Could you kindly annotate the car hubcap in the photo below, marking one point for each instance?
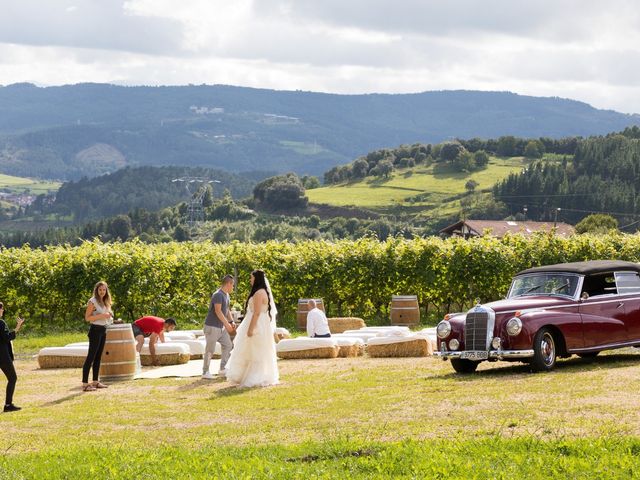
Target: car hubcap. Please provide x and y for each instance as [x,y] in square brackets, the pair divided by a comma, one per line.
[548,349]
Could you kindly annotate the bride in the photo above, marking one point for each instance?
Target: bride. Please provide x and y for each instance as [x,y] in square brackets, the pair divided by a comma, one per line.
[253,359]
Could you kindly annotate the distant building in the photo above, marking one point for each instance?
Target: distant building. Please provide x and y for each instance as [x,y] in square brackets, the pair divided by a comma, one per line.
[498,228]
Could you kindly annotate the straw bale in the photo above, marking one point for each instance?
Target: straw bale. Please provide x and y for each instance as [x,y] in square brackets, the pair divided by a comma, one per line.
[60,361]
[348,350]
[322,352]
[166,359]
[418,347]
[342,324]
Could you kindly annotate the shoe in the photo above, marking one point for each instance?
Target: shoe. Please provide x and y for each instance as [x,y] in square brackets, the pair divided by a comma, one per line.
[88,388]
[207,376]
[100,385]
[11,408]
[222,372]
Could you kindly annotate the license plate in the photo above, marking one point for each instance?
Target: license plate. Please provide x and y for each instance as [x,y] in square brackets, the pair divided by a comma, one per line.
[475,355]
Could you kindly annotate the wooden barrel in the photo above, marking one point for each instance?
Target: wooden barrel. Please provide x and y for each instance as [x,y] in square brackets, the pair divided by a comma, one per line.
[119,355]
[303,309]
[405,310]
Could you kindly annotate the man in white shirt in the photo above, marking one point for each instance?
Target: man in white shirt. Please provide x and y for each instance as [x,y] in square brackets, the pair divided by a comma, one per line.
[317,323]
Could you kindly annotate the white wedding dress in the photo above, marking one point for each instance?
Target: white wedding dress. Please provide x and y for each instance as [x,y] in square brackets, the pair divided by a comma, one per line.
[253,361]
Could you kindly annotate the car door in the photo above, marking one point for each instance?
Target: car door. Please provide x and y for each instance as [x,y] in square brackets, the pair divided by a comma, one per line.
[603,313]
[628,286]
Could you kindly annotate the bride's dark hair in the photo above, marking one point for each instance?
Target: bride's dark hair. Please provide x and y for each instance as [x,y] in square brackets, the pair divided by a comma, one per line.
[258,283]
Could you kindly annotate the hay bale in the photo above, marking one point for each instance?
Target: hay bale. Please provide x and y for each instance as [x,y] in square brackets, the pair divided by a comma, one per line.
[170,353]
[63,357]
[349,346]
[304,347]
[342,324]
[322,352]
[166,359]
[413,346]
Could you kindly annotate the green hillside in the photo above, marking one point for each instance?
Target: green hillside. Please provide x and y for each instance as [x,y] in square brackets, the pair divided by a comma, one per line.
[21,185]
[434,187]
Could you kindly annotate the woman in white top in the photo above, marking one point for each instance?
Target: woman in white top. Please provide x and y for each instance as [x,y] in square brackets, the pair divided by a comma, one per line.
[98,314]
[253,361]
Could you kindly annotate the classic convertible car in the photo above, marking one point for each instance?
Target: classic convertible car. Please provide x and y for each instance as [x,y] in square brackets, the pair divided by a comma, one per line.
[554,311]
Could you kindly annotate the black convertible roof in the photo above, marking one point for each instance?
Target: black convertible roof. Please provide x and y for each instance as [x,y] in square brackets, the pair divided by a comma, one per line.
[590,267]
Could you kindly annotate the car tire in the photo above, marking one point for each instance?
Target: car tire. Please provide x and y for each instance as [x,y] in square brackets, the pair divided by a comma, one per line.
[461,365]
[545,351]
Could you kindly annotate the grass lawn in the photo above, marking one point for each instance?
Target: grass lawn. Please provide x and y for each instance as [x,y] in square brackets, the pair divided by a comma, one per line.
[340,418]
[420,186]
[20,184]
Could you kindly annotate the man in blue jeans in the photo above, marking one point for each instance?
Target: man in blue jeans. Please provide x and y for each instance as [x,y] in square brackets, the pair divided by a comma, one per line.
[217,327]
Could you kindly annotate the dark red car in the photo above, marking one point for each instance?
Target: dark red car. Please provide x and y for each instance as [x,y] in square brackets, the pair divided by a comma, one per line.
[554,311]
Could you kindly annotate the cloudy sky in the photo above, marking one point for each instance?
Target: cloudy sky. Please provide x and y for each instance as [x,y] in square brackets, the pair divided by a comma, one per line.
[581,49]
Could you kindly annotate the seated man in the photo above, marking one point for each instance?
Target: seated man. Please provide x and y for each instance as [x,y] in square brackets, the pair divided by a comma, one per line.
[317,323]
[154,328]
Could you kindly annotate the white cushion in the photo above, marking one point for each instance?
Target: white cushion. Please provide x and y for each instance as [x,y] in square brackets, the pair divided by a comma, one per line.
[180,334]
[304,343]
[196,332]
[386,329]
[77,344]
[348,341]
[74,351]
[282,331]
[363,335]
[195,346]
[393,333]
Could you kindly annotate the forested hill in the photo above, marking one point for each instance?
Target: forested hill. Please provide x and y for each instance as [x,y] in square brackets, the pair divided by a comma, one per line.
[602,177]
[150,188]
[89,129]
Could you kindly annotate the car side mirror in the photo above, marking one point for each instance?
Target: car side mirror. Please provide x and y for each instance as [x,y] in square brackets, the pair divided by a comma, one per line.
[584,296]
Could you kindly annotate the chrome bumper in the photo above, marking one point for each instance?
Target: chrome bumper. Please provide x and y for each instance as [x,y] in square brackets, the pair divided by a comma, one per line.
[493,354]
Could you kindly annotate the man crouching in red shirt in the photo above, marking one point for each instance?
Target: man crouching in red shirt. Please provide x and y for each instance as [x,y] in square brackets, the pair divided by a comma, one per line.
[154,328]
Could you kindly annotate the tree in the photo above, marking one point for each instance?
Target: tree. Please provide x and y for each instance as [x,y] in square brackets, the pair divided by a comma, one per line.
[507,146]
[470,186]
[360,168]
[310,182]
[464,162]
[482,158]
[384,168]
[181,234]
[281,192]
[597,223]
[450,150]
[120,227]
[534,149]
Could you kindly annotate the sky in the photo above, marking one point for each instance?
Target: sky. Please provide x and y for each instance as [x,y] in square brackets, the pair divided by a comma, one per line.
[586,50]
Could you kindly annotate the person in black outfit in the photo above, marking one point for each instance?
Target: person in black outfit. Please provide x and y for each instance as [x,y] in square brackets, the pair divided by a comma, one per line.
[6,359]
[99,315]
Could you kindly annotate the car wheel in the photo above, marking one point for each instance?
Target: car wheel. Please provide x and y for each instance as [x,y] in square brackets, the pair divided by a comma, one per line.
[544,351]
[463,365]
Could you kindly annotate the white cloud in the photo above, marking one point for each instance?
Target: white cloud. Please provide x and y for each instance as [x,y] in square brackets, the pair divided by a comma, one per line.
[570,48]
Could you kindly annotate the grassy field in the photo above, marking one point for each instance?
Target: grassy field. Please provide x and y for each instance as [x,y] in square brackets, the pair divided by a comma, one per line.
[21,184]
[428,187]
[340,418]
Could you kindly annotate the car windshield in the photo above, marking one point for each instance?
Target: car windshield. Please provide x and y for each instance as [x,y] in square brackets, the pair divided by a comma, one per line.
[564,284]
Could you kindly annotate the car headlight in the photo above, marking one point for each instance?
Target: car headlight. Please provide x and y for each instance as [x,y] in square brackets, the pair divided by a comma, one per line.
[444,329]
[496,342]
[454,344]
[514,326]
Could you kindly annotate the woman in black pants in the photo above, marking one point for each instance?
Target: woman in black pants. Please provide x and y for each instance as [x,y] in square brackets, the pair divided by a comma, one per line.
[99,315]
[6,359]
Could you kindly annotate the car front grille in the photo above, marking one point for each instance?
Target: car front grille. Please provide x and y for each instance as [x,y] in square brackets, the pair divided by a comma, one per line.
[475,330]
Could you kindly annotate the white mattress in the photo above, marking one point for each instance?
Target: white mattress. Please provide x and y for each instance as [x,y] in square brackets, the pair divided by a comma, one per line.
[348,341]
[304,343]
[180,334]
[365,336]
[68,351]
[282,331]
[195,346]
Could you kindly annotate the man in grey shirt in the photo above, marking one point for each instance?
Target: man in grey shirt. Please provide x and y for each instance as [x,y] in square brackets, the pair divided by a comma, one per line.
[217,327]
